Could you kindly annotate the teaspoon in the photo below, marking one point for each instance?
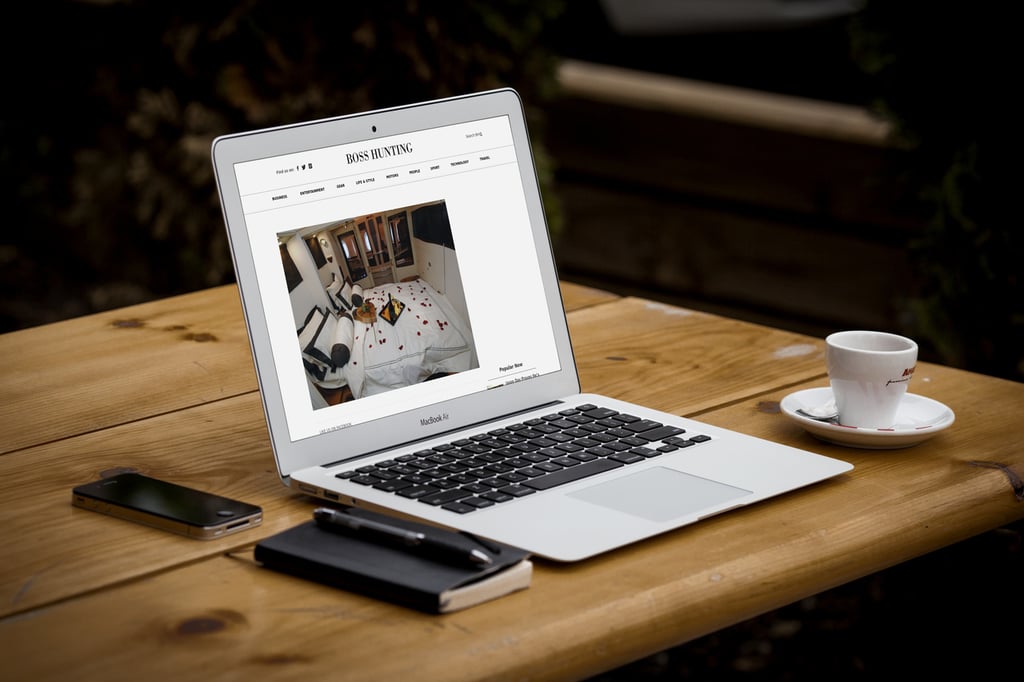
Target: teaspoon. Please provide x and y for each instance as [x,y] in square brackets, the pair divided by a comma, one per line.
[825,413]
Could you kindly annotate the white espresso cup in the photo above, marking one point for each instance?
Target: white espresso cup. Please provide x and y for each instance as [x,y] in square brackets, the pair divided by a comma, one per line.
[869,372]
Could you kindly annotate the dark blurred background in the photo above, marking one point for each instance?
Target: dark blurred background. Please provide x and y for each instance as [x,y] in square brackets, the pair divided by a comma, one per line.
[112,106]
[105,157]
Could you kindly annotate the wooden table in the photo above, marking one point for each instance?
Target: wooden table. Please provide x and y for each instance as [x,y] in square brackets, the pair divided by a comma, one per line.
[168,388]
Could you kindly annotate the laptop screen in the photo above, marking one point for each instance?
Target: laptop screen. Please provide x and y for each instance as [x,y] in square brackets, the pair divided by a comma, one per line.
[394,274]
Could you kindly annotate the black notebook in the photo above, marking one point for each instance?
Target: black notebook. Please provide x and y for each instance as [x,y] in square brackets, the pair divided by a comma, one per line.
[396,574]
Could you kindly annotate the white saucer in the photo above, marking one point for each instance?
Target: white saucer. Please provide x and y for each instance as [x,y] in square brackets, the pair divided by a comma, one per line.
[917,419]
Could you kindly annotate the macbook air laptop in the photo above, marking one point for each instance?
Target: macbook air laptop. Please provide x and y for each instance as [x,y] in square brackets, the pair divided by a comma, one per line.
[412,351]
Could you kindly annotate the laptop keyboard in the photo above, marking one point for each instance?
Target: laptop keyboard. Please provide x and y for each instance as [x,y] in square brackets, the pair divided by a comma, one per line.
[506,464]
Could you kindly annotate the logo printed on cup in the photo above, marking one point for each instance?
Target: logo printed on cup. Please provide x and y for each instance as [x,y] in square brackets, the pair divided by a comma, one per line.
[907,373]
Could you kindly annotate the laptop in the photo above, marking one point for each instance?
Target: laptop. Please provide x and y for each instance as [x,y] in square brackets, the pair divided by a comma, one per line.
[411,346]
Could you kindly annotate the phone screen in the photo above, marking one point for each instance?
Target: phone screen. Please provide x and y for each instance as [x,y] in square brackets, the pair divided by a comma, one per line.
[166,505]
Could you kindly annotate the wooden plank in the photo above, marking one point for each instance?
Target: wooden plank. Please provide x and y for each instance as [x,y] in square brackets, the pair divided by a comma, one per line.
[223,617]
[658,92]
[110,368]
[222,447]
[187,609]
[683,361]
[578,296]
[97,371]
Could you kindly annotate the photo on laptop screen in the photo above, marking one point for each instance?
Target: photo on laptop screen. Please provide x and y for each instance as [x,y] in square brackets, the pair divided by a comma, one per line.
[378,302]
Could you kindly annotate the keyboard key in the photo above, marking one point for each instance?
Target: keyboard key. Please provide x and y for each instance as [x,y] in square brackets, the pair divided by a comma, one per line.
[440,459]
[418,491]
[454,468]
[583,456]
[661,433]
[444,497]
[458,507]
[392,486]
[642,425]
[517,491]
[478,502]
[625,458]
[571,474]
[534,458]
[548,466]
[597,412]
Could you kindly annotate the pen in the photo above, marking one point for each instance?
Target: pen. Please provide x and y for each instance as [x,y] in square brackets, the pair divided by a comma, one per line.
[438,548]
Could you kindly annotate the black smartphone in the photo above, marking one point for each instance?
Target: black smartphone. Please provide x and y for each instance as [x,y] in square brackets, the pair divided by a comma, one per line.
[165,505]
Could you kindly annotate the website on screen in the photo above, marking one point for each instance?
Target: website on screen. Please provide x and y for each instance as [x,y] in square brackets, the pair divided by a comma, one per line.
[394,273]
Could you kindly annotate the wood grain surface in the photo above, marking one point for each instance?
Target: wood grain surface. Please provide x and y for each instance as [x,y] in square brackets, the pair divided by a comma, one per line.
[108,599]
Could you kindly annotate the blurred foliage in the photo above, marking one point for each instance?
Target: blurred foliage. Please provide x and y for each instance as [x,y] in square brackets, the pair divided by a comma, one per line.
[113,105]
[946,74]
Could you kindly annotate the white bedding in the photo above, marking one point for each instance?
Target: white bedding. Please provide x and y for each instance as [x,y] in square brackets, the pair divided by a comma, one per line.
[428,338]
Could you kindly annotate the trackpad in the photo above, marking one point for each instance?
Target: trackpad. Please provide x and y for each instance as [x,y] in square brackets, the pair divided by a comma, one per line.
[659,494]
